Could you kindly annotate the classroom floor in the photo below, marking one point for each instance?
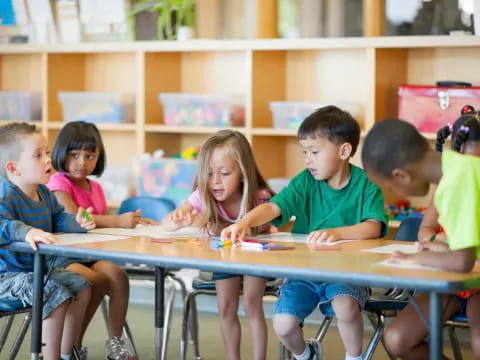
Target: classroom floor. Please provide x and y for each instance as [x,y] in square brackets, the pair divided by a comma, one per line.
[141,321]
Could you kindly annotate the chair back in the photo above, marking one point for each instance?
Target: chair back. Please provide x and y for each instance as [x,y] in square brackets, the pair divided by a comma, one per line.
[153,208]
[408,229]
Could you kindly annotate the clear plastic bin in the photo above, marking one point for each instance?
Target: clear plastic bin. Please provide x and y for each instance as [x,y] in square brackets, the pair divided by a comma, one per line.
[97,107]
[290,114]
[20,105]
[202,109]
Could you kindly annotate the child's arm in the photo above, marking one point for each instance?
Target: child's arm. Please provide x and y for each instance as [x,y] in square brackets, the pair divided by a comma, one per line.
[461,260]
[184,215]
[368,229]
[260,215]
[430,227]
[126,220]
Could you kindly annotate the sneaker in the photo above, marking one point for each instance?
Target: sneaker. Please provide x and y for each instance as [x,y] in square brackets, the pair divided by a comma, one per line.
[117,349]
[316,351]
[82,353]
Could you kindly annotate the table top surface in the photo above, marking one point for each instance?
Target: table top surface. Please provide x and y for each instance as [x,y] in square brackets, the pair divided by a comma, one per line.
[349,264]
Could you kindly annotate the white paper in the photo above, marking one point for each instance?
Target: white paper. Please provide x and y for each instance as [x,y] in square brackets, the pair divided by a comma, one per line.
[21,14]
[389,249]
[71,239]
[388,263]
[298,238]
[156,231]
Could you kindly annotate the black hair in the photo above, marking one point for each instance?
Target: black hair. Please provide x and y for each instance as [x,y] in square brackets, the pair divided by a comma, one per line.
[466,128]
[392,144]
[77,135]
[337,125]
[11,144]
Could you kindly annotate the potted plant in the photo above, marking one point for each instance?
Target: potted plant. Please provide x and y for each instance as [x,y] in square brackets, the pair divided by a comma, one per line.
[174,18]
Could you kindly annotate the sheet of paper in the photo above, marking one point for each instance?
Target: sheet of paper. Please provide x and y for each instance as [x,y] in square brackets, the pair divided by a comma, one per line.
[292,237]
[155,231]
[388,249]
[70,239]
[103,12]
[406,266]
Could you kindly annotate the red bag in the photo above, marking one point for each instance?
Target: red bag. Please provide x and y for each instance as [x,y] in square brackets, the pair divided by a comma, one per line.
[431,107]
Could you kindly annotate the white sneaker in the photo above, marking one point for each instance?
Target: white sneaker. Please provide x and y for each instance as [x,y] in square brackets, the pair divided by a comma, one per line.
[82,353]
[117,349]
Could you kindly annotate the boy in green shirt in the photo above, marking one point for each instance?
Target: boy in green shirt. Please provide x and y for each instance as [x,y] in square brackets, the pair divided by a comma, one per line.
[331,200]
[406,164]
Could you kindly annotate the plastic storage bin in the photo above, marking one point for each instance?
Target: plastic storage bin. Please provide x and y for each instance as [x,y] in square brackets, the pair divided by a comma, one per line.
[97,107]
[202,109]
[290,114]
[166,177]
[20,105]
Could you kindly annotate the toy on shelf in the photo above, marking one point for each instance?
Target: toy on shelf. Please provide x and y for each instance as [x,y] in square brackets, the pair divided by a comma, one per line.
[402,210]
[190,153]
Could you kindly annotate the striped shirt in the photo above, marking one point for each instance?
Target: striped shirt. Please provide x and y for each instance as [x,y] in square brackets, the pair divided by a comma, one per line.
[19,213]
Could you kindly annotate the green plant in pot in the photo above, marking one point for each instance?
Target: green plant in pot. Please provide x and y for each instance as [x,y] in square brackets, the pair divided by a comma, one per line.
[171,15]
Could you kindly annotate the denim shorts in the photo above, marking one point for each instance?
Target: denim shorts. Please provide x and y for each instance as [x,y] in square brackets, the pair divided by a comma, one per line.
[299,298]
[61,285]
[63,262]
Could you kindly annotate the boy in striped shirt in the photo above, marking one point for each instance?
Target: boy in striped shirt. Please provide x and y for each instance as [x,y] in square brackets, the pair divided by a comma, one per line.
[30,212]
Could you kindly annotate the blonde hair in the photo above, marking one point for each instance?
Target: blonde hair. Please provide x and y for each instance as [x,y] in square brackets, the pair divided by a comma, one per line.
[238,147]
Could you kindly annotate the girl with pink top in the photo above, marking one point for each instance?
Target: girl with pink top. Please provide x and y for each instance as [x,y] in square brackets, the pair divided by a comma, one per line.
[78,152]
[228,184]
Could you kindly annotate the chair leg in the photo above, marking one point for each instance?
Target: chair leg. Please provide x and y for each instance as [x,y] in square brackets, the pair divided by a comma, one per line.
[373,320]
[127,334]
[377,335]
[194,328]
[283,353]
[105,315]
[17,343]
[454,343]
[168,319]
[7,325]
[322,331]
[185,321]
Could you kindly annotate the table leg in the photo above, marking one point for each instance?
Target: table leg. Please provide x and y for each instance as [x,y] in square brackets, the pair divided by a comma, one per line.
[37,306]
[436,326]
[159,310]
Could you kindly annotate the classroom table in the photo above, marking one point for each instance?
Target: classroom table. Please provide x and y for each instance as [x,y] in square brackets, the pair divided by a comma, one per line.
[348,265]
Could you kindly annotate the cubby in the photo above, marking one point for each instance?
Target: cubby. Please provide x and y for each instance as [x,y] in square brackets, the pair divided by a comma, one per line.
[362,71]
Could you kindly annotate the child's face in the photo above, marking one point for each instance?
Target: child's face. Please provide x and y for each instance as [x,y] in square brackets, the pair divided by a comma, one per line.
[224,175]
[322,157]
[401,182]
[34,166]
[81,163]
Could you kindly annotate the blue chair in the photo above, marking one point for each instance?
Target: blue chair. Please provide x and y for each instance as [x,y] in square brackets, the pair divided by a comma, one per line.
[156,209]
[8,310]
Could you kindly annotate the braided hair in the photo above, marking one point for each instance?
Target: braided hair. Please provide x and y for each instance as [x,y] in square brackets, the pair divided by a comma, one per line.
[466,128]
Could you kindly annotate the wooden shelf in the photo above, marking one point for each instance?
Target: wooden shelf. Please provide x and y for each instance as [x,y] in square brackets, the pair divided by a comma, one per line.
[57,125]
[188,129]
[364,71]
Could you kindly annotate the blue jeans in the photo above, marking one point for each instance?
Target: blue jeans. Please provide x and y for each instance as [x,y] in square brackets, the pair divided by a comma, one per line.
[299,298]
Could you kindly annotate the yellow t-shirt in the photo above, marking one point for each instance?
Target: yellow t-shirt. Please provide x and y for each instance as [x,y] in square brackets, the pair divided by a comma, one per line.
[457,200]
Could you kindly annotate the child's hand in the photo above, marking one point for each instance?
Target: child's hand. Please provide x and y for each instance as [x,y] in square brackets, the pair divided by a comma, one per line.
[398,257]
[129,219]
[35,236]
[439,246]
[147,221]
[179,218]
[85,218]
[236,232]
[321,236]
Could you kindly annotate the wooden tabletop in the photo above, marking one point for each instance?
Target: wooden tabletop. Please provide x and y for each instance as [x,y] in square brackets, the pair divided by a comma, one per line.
[349,264]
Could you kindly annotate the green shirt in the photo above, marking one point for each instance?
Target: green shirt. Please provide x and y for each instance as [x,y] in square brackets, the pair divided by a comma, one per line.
[457,200]
[317,206]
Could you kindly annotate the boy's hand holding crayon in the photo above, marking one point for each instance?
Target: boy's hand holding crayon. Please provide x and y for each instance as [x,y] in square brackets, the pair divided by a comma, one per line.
[236,232]
[35,236]
[85,218]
